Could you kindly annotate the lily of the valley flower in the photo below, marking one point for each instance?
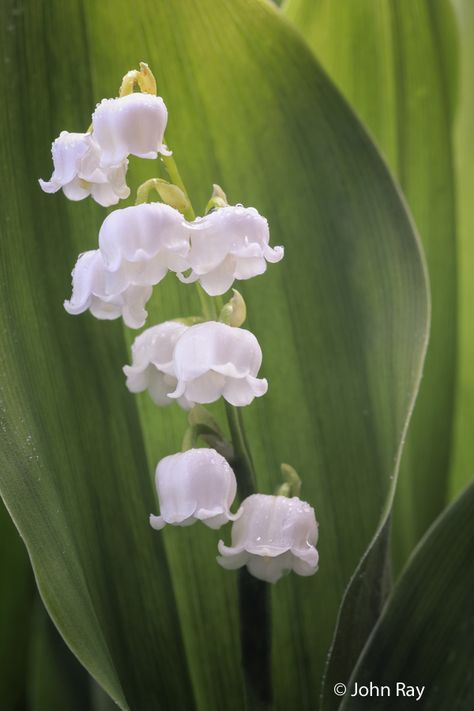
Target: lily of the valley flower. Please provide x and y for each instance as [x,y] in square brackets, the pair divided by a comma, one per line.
[273,535]
[213,360]
[130,125]
[229,243]
[141,243]
[78,171]
[91,291]
[197,485]
[152,366]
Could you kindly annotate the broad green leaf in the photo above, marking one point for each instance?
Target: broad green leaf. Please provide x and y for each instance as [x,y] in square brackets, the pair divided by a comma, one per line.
[74,476]
[16,594]
[342,323]
[393,60]
[463,455]
[56,680]
[425,634]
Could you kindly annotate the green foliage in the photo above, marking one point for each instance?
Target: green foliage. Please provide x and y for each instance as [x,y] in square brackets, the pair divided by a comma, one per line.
[395,61]
[463,455]
[342,322]
[425,636]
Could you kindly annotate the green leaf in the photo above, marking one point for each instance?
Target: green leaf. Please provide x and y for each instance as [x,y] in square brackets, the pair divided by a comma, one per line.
[16,594]
[394,60]
[342,323]
[463,454]
[425,635]
[390,59]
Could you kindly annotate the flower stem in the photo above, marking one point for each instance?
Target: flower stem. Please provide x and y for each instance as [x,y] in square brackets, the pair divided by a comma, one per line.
[175,177]
[254,608]
[254,605]
[242,458]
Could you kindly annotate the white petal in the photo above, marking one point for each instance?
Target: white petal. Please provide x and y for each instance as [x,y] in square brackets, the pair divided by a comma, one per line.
[157,522]
[159,387]
[152,366]
[130,125]
[277,534]
[195,485]
[85,279]
[68,150]
[137,378]
[230,243]
[210,242]
[145,236]
[77,170]
[77,189]
[133,300]
[231,558]
[205,389]
[241,392]
[306,565]
[248,268]
[273,255]
[220,279]
[116,175]
[89,279]
[104,310]
[268,569]
[209,357]
[51,186]
[105,194]
[208,345]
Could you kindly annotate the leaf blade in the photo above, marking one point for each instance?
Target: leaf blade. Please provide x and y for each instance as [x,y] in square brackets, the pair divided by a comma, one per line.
[411,621]
[369,294]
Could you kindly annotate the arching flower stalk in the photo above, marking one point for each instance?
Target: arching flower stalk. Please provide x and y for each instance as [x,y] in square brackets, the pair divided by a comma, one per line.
[195,360]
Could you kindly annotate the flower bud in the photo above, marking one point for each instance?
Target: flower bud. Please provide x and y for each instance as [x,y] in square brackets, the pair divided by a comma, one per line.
[130,125]
[77,170]
[152,366]
[272,536]
[213,360]
[234,312]
[196,485]
[141,243]
[229,243]
[90,290]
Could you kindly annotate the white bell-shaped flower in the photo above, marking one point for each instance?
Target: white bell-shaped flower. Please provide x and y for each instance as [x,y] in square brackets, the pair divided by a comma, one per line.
[272,536]
[77,170]
[229,243]
[90,290]
[197,485]
[152,366]
[130,125]
[212,359]
[141,243]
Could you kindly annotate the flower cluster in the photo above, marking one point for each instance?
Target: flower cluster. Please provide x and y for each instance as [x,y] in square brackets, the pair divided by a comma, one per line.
[95,163]
[195,360]
[139,245]
[196,364]
[271,535]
